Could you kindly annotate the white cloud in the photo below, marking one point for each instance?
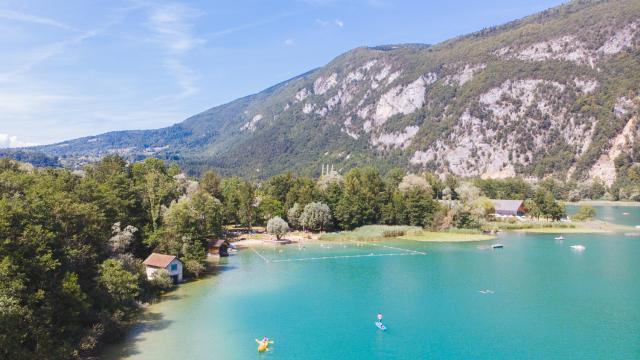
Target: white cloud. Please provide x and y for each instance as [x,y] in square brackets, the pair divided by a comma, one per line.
[15,102]
[251,25]
[18,16]
[173,27]
[43,53]
[8,141]
[185,77]
[289,42]
[336,22]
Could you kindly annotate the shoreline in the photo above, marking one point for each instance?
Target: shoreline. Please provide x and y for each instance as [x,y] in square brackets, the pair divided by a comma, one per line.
[586,227]
[447,237]
[625,203]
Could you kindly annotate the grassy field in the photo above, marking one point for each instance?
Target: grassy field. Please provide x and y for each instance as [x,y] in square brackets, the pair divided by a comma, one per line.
[371,232]
[414,233]
[431,236]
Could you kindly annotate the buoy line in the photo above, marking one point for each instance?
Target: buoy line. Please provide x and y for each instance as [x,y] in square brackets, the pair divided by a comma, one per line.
[344,257]
[393,248]
[257,253]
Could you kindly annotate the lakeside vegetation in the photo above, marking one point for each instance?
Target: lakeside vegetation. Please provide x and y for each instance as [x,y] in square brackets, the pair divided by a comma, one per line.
[414,233]
[73,242]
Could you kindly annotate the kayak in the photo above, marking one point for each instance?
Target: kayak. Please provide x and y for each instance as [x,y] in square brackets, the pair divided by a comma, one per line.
[262,345]
[380,325]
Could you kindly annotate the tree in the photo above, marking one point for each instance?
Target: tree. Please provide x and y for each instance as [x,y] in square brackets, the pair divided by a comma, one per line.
[411,181]
[278,227]
[303,191]
[316,216]
[532,208]
[548,206]
[293,215]
[329,179]
[279,186]
[247,203]
[483,207]
[161,281]
[419,207]
[187,224]
[121,238]
[467,192]
[118,283]
[364,194]
[194,267]
[210,182]
[269,207]
[156,186]
[585,212]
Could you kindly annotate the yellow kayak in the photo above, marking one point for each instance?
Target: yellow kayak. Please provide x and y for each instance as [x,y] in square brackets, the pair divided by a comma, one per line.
[262,345]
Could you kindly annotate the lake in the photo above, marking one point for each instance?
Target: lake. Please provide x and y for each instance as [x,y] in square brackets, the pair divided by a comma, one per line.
[623,215]
[533,299]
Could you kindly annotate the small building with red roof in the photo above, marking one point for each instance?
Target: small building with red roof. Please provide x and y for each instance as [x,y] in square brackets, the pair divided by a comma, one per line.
[171,263]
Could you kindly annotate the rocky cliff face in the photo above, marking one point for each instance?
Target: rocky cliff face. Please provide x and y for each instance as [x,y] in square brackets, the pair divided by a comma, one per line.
[556,93]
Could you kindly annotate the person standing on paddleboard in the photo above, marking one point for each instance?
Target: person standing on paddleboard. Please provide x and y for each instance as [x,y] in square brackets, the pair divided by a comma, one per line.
[379,317]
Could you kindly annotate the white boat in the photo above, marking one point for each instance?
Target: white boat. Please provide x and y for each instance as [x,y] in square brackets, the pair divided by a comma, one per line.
[625,213]
[578,247]
[559,237]
[637,226]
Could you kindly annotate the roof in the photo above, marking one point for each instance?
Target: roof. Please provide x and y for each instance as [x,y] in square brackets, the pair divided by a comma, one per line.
[159,260]
[507,205]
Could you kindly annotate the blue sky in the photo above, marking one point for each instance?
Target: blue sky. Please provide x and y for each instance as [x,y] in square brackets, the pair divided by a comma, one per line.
[72,68]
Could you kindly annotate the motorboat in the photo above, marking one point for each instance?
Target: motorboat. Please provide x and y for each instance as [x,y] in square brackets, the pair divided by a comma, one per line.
[559,237]
[578,247]
[497,246]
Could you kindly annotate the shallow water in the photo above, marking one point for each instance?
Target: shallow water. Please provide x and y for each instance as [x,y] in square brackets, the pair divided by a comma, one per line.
[545,302]
[623,215]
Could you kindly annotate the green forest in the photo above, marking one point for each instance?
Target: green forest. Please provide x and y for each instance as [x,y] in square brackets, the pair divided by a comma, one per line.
[72,243]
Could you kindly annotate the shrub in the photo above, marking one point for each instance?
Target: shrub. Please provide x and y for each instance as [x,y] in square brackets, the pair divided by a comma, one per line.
[585,212]
[393,233]
[194,267]
[161,280]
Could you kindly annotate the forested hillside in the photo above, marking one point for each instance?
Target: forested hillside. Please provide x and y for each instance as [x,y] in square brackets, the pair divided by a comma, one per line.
[554,94]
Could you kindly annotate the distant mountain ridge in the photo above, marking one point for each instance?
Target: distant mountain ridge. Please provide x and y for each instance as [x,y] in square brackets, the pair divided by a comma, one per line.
[556,93]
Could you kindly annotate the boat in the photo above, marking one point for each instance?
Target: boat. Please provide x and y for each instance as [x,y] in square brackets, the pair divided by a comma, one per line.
[578,247]
[497,246]
[380,325]
[559,237]
[625,213]
[637,226]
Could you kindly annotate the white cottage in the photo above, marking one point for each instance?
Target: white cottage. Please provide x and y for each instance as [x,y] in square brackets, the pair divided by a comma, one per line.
[170,263]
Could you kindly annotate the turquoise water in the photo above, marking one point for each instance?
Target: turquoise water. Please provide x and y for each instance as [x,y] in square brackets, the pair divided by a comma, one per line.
[623,215]
[546,302]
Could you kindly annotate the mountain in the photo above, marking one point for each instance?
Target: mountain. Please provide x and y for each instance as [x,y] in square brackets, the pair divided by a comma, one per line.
[555,93]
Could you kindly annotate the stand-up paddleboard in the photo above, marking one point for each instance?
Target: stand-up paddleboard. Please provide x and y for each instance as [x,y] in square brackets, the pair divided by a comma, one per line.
[380,325]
